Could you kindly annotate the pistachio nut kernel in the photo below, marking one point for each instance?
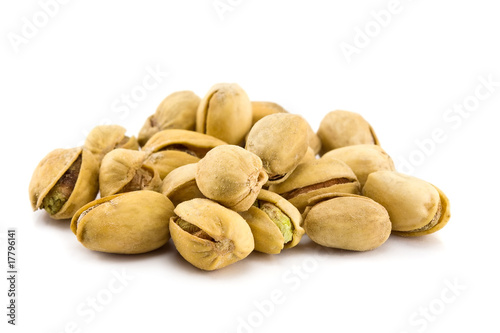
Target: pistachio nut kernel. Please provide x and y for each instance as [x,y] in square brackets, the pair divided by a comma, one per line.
[124,170]
[225,113]
[275,223]
[104,138]
[176,111]
[280,140]
[415,206]
[180,184]
[314,178]
[231,176]
[127,223]
[208,235]
[343,128]
[63,181]
[363,160]
[347,221]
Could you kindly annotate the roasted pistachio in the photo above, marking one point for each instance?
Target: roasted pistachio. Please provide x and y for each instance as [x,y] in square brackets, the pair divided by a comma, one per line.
[166,161]
[176,111]
[416,207]
[208,235]
[63,181]
[343,128]
[180,184]
[128,223]
[314,178]
[104,138]
[275,223]
[231,176]
[347,221]
[225,113]
[280,140]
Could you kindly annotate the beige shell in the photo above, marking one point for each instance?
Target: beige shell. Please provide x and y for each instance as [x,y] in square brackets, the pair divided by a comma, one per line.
[280,140]
[52,168]
[344,128]
[175,139]
[363,160]
[231,176]
[346,221]
[176,111]
[166,161]
[309,156]
[180,184]
[218,235]
[268,237]
[127,223]
[314,178]
[104,138]
[225,113]
[123,170]
[415,206]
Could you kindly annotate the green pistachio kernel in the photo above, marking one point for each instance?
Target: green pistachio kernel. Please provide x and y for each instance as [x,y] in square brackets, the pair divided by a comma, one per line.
[280,219]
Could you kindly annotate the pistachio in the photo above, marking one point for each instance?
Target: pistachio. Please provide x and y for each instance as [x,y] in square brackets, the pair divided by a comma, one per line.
[231,176]
[225,113]
[343,128]
[104,138]
[176,111]
[208,235]
[317,177]
[415,206]
[180,184]
[127,223]
[168,160]
[280,140]
[347,221]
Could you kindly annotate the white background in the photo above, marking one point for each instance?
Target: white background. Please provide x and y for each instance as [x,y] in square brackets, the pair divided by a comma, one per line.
[71,73]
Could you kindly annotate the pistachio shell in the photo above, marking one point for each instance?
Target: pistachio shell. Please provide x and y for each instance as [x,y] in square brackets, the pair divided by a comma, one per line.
[168,160]
[416,207]
[309,156]
[104,138]
[53,168]
[231,176]
[314,178]
[175,139]
[343,128]
[225,236]
[180,184]
[262,109]
[280,140]
[346,221]
[176,111]
[363,160]
[128,223]
[268,237]
[225,113]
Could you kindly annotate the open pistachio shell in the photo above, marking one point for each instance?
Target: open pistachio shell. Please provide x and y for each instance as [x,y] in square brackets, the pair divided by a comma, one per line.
[176,111]
[166,161]
[225,113]
[127,223]
[268,217]
[63,181]
[123,170]
[347,221]
[208,235]
[415,206]
[363,160]
[344,128]
[180,184]
[104,138]
[194,143]
[314,178]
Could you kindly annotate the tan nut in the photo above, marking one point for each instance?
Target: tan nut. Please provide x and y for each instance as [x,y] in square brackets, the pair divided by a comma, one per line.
[180,184]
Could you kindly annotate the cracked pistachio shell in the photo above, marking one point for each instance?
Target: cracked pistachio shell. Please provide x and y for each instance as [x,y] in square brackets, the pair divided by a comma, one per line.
[314,178]
[123,170]
[212,236]
[53,169]
[166,161]
[347,221]
[344,128]
[127,223]
[267,235]
[231,176]
[363,159]
[415,206]
[280,140]
[104,138]
[176,111]
[194,143]
[180,184]
[225,113]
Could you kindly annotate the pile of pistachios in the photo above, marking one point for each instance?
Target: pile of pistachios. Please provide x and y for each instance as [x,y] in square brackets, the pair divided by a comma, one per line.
[224,176]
